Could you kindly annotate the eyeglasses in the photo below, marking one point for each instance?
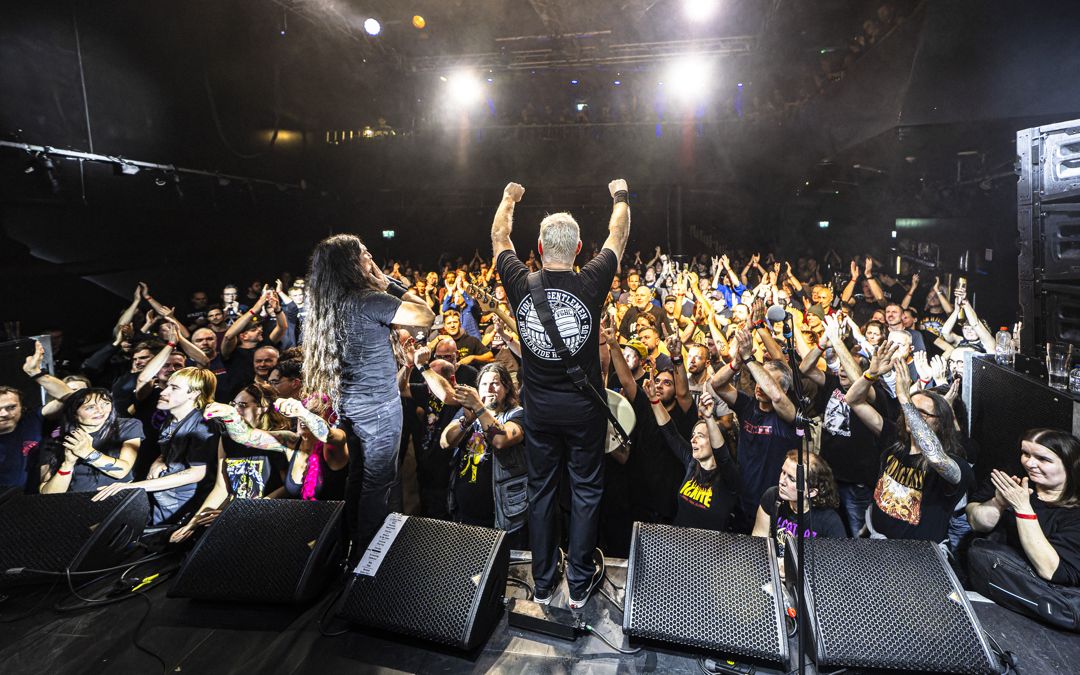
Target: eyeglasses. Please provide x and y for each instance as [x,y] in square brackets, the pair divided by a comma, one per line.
[240,405]
[274,383]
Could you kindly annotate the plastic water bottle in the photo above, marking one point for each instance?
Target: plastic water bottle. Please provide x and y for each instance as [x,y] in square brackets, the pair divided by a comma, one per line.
[1074,380]
[1004,352]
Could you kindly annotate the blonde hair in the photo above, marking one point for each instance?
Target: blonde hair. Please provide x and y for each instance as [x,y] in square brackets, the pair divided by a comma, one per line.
[197,379]
[560,236]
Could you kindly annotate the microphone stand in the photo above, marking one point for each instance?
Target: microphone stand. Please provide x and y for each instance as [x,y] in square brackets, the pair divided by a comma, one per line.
[802,424]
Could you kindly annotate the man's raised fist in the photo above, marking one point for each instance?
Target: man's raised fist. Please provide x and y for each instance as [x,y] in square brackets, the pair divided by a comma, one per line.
[514,191]
[616,185]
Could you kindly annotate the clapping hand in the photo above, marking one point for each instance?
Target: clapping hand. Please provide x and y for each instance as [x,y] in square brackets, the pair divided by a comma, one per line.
[79,443]
[1012,491]
[854,270]
[468,397]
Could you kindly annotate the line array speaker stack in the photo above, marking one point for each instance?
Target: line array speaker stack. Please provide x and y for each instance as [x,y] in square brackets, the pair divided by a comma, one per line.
[42,536]
[265,550]
[889,604]
[1048,220]
[704,589]
[431,579]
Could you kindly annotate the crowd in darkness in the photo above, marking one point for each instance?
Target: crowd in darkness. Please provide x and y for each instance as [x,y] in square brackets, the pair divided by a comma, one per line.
[207,403]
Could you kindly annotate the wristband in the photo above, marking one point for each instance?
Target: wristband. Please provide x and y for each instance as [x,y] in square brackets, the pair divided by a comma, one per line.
[871,378]
[656,402]
[36,376]
[922,381]
[748,359]
[149,297]
[1026,516]
[61,472]
[252,313]
[395,289]
[734,365]
[622,196]
[171,344]
[758,324]
[421,367]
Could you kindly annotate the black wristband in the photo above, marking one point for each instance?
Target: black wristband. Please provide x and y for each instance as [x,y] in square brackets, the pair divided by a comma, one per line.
[622,196]
[395,289]
[39,375]
[421,367]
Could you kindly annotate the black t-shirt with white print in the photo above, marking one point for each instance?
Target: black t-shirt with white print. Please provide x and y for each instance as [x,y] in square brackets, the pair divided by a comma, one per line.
[575,299]
[847,444]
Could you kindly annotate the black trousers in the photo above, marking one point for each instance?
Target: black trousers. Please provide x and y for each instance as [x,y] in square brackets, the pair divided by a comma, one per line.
[1004,575]
[554,448]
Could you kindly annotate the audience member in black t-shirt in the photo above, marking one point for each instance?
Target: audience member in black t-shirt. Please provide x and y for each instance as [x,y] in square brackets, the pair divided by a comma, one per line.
[429,410]
[489,479]
[923,472]
[95,446]
[776,512]
[244,471]
[1031,561]
[1038,515]
[847,444]
[654,473]
[470,349]
[185,469]
[766,429]
[706,495]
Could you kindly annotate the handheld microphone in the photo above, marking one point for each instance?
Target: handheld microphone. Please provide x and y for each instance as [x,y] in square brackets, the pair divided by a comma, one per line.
[777,313]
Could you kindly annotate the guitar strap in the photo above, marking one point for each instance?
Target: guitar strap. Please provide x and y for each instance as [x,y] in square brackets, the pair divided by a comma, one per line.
[574,370]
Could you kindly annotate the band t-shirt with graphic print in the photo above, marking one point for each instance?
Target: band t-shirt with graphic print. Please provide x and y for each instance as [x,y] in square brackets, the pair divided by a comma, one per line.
[575,299]
[817,522]
[764,441]
[912,502]
[847,444]
[474,499]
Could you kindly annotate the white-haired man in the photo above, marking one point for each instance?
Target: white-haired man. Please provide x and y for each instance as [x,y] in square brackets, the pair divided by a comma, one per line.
[563,425]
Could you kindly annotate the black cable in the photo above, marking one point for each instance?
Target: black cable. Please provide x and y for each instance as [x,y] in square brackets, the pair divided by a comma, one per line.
[66,572]
[523,584]
[609,643]
[138,627]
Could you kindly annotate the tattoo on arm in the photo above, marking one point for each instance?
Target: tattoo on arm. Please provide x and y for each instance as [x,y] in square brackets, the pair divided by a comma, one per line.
[929,443]
[318,426]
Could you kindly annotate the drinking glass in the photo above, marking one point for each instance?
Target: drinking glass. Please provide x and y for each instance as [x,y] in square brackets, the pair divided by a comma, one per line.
[1058,356]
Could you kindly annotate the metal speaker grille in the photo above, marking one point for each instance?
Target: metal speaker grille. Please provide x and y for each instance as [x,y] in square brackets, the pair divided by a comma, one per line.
[705,589]
[428,583]
[47,532]
[257,550]
[891,604]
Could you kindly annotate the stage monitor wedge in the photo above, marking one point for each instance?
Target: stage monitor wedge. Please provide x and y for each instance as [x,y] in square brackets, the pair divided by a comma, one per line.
[60,532]
[704,589]
[431,579]
[888,604]
[265,550]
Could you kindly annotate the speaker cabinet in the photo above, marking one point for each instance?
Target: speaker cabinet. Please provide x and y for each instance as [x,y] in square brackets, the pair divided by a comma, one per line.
[431,579]
[265,550]
[888,604]
[706,590]
[50,534]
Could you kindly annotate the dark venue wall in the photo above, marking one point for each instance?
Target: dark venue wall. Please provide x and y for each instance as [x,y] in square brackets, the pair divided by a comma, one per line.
[920,126]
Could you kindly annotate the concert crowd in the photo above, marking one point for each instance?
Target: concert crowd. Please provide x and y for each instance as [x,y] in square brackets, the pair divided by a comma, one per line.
[206,403]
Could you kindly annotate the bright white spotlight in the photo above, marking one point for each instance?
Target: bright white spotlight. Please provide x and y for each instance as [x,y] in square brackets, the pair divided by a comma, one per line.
[688,78]
[700,10]
[464,88]
[372,26]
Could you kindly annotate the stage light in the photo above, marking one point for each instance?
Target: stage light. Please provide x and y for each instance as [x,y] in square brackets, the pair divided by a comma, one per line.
[573,81]
[617,83]
[687,78]
[388,234]
[372,26]
[700,10]
[823,224]
[418,22]
[464,88]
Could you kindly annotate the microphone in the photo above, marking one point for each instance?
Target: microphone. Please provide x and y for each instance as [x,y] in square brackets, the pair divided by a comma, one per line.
[777,313]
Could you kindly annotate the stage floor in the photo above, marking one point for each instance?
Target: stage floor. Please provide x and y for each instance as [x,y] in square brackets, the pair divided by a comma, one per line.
[206,638]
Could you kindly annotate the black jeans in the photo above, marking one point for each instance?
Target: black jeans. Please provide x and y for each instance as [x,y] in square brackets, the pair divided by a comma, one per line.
[579,447]
[372,490]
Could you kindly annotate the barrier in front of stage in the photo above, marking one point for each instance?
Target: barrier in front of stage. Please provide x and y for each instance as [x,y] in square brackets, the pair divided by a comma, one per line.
[66,532]
[889,604]
[265,550]
[704,589]
[431,579]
